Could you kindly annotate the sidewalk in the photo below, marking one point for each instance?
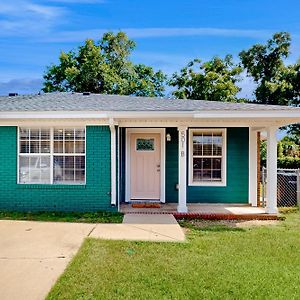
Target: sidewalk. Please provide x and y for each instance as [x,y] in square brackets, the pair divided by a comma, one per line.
[142,227]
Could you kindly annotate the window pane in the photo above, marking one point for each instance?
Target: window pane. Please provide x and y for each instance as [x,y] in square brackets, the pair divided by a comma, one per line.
[69,134]
[45,146]
[24,133]
[58,166]
[58,147]
[197,143]
[69,146]
[79,147]
[145,144]
[34,169]
[34,146]
[24,169]
[34,134]
[24,146]
[217,144]
[58,134]
[45,134]
[217,162]
[216,175]
[80,162]
[197,169]
[79,134]
[80,169]
[69,168]
[207,144]
[45,169]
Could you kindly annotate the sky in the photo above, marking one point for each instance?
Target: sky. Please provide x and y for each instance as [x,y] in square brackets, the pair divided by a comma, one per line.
[168,33]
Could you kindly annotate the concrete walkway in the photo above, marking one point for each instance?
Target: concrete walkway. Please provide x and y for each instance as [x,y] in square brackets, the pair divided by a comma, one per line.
[34,254]
[142,227]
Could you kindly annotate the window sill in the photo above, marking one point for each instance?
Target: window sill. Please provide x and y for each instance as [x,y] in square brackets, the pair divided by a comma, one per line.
[51,186]
[208,184]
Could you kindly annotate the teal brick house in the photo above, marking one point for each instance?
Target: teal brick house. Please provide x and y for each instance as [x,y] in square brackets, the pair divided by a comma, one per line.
[88,152]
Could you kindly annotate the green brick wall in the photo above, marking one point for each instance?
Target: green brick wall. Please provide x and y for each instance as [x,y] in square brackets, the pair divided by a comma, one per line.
[93,196]
[236,190]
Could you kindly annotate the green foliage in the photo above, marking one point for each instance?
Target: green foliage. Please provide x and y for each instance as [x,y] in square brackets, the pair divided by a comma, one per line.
[104,67]
[276,82]
[288,162]
[288,153]
[213,80]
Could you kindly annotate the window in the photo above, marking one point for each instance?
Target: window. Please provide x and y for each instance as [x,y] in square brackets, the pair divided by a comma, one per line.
[52,155]
[207,157]
[144,144]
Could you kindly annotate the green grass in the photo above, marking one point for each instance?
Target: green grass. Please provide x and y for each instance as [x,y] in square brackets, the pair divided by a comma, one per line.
[90,217]
[252,263]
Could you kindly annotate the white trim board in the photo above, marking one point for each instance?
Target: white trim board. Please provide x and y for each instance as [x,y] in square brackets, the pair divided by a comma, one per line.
[162,132]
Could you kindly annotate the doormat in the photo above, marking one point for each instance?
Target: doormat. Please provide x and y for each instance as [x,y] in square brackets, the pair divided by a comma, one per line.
[145,205]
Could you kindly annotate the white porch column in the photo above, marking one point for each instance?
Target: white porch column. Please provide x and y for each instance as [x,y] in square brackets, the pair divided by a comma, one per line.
[113,163]
[271,171]
[182,174]
[252,167]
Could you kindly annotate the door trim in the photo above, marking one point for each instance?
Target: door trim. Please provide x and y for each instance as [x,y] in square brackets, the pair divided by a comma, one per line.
[162,132]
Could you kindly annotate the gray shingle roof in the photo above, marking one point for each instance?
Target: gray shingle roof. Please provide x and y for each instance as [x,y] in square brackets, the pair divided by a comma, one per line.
[99,102]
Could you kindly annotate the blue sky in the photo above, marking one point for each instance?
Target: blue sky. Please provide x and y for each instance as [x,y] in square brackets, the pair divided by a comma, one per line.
[168,33]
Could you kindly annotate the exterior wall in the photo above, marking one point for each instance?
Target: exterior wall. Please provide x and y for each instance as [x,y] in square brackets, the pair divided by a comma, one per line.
[93,196]
[236,190]
[172,166]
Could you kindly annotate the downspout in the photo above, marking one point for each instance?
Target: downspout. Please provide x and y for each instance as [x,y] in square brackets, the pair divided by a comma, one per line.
[113,162]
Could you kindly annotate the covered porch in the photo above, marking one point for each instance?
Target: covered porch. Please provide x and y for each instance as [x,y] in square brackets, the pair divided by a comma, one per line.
[240,131]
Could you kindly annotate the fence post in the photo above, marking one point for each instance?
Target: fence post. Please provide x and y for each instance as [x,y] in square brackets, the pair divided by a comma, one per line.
[298,187]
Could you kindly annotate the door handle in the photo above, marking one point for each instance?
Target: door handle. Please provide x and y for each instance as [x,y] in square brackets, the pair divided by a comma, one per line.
[158,165]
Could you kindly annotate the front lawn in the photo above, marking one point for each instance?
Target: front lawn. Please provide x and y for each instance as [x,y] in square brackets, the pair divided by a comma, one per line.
[78,217]
[215,263]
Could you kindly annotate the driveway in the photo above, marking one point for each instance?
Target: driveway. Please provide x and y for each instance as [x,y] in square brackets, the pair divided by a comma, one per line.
[34,254]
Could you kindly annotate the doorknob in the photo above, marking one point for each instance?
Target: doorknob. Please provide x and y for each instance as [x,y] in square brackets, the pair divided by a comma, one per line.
[158,165]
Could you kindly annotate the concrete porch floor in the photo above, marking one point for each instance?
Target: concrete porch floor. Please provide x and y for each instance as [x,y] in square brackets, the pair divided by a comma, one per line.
[226,210]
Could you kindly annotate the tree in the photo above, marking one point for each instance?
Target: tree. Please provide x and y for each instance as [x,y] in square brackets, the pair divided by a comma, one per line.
[104,67]
[265,64]
[213,80]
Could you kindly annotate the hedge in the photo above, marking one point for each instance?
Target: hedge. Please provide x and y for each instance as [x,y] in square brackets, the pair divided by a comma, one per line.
[286,162]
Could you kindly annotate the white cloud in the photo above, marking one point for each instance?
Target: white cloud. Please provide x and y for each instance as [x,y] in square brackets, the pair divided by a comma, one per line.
[21,86]
[79,35]
[24,18]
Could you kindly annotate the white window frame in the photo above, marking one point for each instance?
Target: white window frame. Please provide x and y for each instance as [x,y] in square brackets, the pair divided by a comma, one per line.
[51,154]
[223,182]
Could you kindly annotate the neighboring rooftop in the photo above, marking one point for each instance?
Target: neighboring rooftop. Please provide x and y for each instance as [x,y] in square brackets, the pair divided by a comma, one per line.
[100,102]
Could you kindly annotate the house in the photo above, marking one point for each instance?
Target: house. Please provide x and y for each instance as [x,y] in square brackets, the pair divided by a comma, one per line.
[88,152]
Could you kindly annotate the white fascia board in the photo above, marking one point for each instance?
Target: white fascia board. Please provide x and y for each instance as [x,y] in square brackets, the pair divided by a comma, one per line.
[248,114]
[282,114]
[54,115]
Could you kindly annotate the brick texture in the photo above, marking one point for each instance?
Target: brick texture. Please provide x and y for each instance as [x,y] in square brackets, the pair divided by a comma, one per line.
[93,196]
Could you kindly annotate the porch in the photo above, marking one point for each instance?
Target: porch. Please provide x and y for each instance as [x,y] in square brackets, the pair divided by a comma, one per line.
[205,211]
[179,184]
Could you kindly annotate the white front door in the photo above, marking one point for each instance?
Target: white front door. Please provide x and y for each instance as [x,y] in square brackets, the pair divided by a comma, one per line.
[145,166]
